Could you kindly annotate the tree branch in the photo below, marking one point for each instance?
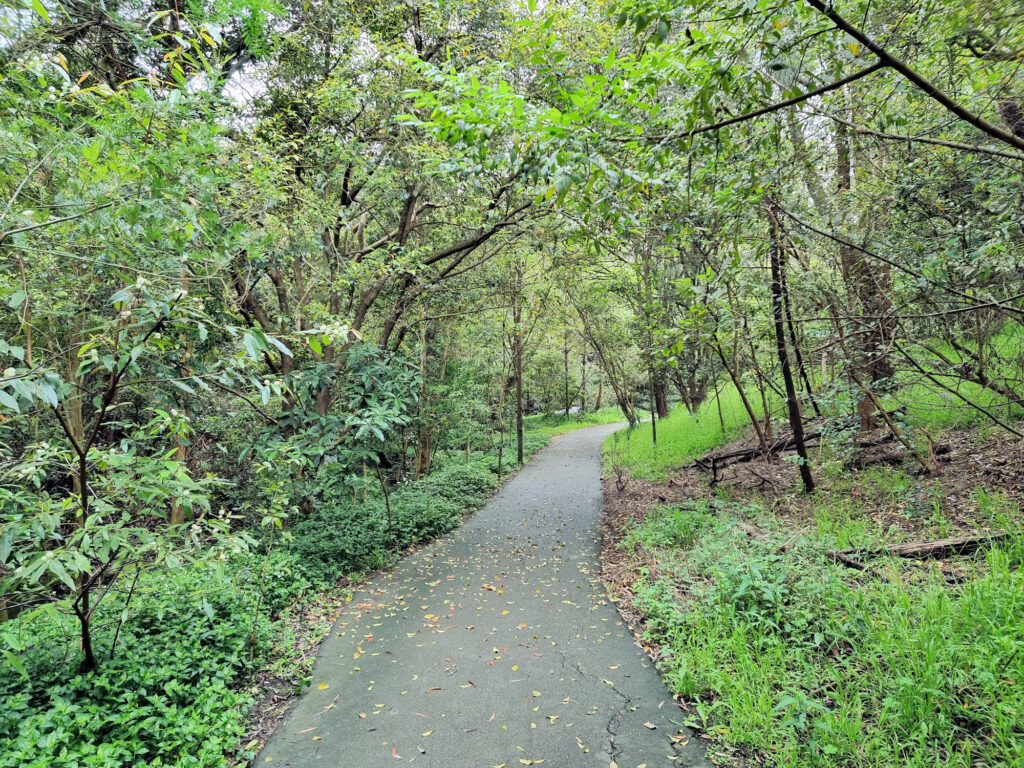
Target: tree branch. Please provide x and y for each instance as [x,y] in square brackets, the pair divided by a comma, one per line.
[39,225]
[763,111]
[929,89]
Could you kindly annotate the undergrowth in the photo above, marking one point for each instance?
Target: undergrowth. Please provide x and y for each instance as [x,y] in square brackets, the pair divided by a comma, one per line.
[174,690]
[777,650]
[681,436]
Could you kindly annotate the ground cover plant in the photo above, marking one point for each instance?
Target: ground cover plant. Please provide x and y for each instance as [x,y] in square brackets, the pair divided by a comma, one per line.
[781,653]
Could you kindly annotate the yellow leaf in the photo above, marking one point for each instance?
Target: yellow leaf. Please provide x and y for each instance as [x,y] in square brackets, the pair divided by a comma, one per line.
[323,686]
[426,733]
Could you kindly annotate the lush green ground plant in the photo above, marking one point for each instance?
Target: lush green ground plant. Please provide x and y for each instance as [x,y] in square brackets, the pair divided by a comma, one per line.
[681,437]
[168,691]
[778,650]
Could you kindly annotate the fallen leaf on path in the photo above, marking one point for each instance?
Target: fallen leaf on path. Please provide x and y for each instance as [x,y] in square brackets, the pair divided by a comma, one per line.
[650,725]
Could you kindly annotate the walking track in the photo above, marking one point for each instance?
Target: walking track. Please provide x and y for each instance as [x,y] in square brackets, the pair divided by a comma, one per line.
[494,646]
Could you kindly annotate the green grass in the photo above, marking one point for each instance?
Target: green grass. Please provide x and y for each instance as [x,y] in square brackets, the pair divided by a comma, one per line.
[777,650]
[933,408]
[682,436]
[554,424]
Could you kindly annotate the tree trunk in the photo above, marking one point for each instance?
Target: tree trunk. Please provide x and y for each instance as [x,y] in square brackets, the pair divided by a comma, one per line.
[180,446]
[792,404]
[871,286]
[583,382]
[565,360]
[653,409]
[660,396]
[737,382]
[517,317]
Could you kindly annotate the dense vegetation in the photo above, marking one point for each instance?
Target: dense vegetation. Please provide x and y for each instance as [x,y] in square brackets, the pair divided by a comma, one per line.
[290,286]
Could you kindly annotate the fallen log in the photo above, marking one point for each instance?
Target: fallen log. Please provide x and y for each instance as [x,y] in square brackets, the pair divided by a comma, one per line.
[895,458]
[957,545]
[716,462]
[846,560]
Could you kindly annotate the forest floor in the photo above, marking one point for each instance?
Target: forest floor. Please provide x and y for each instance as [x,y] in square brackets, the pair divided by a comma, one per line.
[493,646]
[782,655]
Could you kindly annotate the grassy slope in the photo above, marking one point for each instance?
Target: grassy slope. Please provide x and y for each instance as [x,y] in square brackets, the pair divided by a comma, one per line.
[682,436]
[778,651]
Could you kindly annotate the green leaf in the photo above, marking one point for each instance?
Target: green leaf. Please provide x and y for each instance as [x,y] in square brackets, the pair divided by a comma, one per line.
[10,402]
[15,661]
[251,347]
[47,393]
[122,296]
[17,299]
[57,569]
[40,9]
[182,386]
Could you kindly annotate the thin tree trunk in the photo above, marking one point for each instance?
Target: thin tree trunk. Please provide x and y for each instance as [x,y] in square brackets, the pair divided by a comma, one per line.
[654,411]
[763,390]
[718,402]
[792,404]
[517,311]
[583,381]
[565,360]
[754,421]
[180,446]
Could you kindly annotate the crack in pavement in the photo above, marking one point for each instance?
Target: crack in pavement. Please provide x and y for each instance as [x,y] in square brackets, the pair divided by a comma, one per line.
[493,646]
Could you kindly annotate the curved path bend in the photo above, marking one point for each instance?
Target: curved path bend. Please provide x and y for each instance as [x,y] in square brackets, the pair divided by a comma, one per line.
[493,646]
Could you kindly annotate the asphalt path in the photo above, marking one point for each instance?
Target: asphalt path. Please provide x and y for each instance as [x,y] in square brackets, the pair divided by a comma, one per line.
[495,646]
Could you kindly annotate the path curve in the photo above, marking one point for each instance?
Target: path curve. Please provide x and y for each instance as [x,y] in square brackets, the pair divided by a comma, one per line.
[493,646]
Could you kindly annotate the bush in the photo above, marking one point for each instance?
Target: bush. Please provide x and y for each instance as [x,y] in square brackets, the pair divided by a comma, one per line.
[468,485]
[169,695]
[781,652]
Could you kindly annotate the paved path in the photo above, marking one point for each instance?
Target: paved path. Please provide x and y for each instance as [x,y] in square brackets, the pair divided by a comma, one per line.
[494,646]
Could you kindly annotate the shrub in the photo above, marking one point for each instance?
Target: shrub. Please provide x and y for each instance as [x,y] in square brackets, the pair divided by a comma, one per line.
[168,696]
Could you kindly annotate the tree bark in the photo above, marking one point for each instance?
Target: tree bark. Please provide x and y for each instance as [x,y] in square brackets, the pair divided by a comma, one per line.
[517,361]
[792,403]
[754,421]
